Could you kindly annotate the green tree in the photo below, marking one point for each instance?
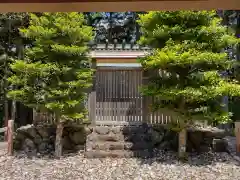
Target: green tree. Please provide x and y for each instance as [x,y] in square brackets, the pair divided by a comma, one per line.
[55,74]
[11,47]
[189,57]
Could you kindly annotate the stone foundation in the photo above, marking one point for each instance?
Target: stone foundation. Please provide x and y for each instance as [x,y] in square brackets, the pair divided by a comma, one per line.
[40,139]
[115,141]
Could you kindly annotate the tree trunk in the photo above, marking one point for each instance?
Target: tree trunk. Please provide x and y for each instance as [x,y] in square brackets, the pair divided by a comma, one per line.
[13,111]
[6,117]
[58,142]
[238,34]
[182,142]
[5,89]
[182,136]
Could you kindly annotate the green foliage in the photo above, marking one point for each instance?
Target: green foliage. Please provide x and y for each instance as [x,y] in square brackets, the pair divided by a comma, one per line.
[10,47]
[55,73]
[188,58]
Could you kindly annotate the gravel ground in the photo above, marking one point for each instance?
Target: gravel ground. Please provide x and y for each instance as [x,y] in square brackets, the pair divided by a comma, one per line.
[209,166]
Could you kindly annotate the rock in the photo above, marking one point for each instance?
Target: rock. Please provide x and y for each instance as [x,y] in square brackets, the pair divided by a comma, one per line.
[174,143]
[102,130]
[19,136]
[37,139]
[108,137]
[116,154]
[41,138]
[170,141]
[78,137]
[137,137]
[205,148]
[137,146]
[29,129]
[43,148]
[219,145]
[214,133]
[164,146]
[31,152]
[43,132]
[29,147]
[25,128]
[135,130]
[158,128]
[79,147]
[51,130]
[156,137]
[50,147]
[29,143]
[67,143]
[195,139]
[116,130]
[109,146]
[88,130]
[17,145]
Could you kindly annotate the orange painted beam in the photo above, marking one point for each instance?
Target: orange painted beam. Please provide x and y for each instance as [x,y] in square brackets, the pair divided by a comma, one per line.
[113,5]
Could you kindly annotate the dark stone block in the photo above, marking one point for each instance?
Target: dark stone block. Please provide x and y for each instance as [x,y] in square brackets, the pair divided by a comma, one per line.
[219,145]
[217,133]
[156,136]
[135,130]
[137,137]
[138,146]
[195,138]
[78,137]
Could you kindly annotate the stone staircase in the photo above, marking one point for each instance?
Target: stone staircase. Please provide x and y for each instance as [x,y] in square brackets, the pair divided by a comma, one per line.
[118,142]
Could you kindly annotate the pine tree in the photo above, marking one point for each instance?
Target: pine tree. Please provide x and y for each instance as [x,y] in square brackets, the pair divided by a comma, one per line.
[56,72]
[189,54]
[11,45]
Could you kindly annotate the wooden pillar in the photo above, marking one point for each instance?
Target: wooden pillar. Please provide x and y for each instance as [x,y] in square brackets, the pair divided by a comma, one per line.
[237,134]
[10,130]
[145,104]
[92,96]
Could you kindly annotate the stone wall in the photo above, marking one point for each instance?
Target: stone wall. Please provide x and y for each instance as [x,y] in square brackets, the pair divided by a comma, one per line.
[122,141]
[34,140]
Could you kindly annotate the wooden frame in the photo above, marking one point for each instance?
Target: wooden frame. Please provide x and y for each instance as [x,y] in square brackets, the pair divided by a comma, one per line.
[116,60]
[10,133]
[237,134]
[114,5]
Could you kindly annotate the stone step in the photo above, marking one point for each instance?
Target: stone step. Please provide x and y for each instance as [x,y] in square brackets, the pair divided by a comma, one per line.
[125,130]
[106,137]
[120,145]
[118,137]
[117,154]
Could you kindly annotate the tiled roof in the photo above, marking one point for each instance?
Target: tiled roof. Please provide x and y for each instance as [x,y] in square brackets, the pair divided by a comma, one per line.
[119,47]
[117,51]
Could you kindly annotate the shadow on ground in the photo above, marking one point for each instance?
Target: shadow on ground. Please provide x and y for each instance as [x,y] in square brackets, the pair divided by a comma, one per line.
[159,145]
